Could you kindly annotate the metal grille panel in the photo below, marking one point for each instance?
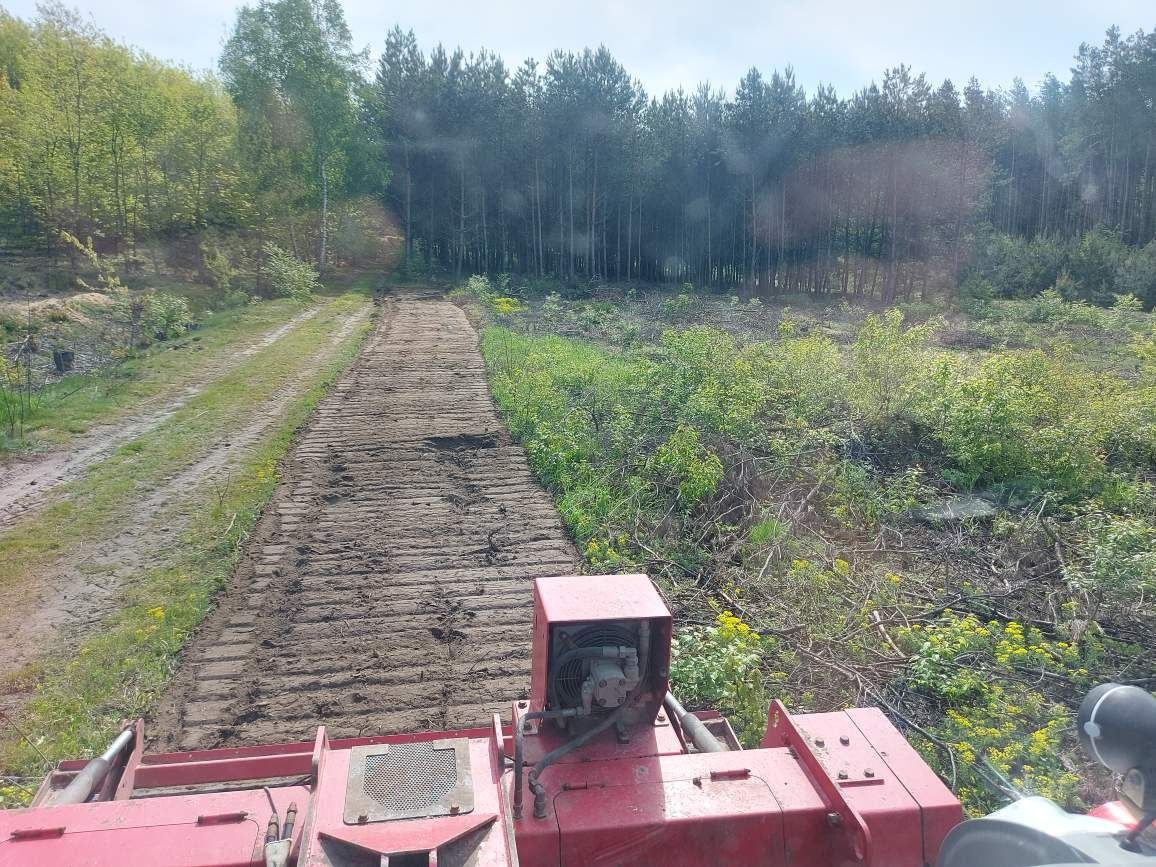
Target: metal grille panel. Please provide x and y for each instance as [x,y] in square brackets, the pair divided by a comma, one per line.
[408,781]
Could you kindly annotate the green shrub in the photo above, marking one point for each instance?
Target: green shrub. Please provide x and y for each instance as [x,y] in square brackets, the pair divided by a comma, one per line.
[1116,559]
[217,266]
[1041,419]
[1136,275]
[720,667]
[165,315]
[288,275]
[970,666]
[553,310]
[694,470]
[678,306]
[888,367]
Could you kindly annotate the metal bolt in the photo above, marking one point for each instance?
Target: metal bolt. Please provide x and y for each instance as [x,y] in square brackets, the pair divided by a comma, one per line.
[834,819]
[523,703]
[601,702]
[602,683]
[661,717]
[455,809]
[868,773]
[842,775]
[844,740]
[362,819]
[819,742]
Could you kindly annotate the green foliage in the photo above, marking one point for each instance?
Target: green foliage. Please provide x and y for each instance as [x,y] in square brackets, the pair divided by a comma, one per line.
[166,315]
[289,276]
[1136,275]
[103,140]
[969,665]
[888,361]
[217,266]
[720,667]
[770,475]
[694,470]
[860,496]
[1090,268]
[1116,558]
[1041,419]
[553,310]
[679,306]
[766,532]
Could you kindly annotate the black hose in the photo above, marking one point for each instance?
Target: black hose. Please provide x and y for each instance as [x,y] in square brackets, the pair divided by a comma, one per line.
[581,740]
[519,747]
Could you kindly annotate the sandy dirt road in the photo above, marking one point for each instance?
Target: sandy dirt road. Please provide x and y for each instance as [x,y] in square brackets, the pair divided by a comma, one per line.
[25,483]
[388,586]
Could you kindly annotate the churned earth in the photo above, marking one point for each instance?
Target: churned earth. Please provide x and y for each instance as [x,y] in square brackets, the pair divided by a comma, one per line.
[388,586]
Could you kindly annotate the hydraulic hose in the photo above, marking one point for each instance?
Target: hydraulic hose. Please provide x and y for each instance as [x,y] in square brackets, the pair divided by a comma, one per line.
[581,740]
[692,726]
[520,749]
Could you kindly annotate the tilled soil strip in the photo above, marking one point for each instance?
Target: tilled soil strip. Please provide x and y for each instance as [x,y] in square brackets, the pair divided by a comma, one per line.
[388,586]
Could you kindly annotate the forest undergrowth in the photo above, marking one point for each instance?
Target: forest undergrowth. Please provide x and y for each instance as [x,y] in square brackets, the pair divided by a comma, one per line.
[861,511]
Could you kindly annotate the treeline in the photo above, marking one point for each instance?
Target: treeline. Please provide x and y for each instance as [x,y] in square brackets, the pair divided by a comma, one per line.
[570,169]
[104,142]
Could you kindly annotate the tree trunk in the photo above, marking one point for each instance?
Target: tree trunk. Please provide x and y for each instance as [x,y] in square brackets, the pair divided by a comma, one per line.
[324,228]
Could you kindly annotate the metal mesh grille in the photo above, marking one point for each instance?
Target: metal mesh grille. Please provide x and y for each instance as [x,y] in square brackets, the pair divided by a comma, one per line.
[410,777]
[409,781]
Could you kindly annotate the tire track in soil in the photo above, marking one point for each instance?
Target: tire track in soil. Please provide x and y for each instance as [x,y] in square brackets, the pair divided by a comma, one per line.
[71,596]
[24,483]
[387,587]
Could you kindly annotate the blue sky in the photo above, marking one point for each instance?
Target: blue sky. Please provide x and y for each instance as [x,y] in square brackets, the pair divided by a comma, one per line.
[670,42]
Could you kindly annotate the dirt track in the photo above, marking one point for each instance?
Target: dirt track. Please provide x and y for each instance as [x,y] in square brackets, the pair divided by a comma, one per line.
[24,483]
[71,595]
[387,587]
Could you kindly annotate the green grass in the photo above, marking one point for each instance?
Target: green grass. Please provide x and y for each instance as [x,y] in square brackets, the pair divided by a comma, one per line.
[76,403]
[118,672]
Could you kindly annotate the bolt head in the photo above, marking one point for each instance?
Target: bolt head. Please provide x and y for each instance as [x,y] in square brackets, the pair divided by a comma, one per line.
[844,740]
[868,773]
[362,819]
[834,819]
[842,775]
[819,742]
[662,717]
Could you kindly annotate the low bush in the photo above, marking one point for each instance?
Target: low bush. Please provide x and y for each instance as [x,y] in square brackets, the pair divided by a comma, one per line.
[165,315]
[289,276]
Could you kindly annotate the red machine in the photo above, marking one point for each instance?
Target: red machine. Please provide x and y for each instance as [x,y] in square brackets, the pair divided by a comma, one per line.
[600,766]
